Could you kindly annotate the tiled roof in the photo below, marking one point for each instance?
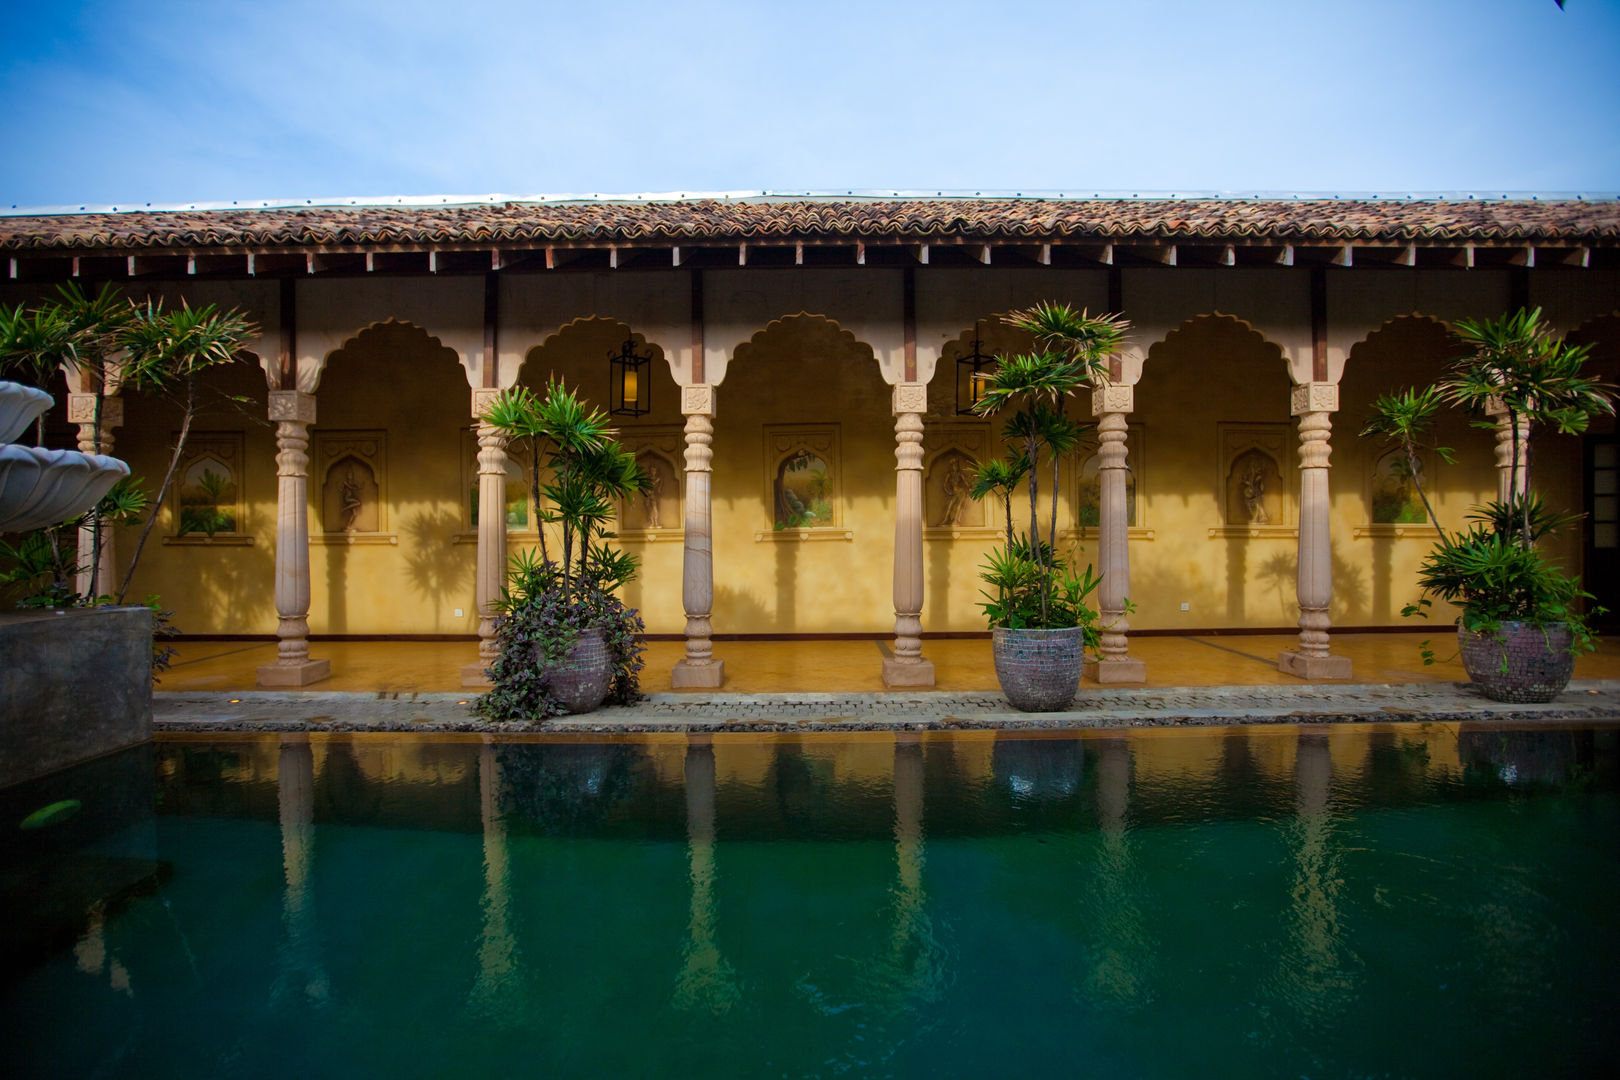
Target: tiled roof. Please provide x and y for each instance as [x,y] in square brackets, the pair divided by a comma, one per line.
[697,221]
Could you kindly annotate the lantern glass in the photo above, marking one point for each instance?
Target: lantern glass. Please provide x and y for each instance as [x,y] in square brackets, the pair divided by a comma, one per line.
[974,371]
[631,386]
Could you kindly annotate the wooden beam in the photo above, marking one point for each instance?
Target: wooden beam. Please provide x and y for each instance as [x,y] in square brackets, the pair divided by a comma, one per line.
[742,254]
[1229,256]
[433,262]
[287,359]
[697,326]
[551,258]
[492,319]
[14,267]
[675,255]
[984,254]
[1045,256]
[1287,256]
[860,253]
[908,320]
[921,254]
[1319,357]
[251,268]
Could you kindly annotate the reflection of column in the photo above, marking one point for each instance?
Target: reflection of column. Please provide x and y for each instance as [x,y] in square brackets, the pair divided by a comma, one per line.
[82,411]
[1314,403]
[699,667]
[295,790]
[498,991]
[907,666]
[913,970]
[1123,969]
[491,536]
[1110,404]
[706,981]
[1311,970]
[1509,481]
[293,411]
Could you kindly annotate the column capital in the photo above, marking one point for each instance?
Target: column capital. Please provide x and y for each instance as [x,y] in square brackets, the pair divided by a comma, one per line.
[1313,397]
[910,397]
[294,405]
[1495,406]
[1113,398]
[482,398]
[82,410]
[697,399]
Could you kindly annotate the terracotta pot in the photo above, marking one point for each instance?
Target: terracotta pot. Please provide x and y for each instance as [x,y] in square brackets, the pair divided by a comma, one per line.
[582,678]
[1039,670]
[1522,662]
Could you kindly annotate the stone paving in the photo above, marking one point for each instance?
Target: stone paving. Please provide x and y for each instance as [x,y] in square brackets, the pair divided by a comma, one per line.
[1585,700]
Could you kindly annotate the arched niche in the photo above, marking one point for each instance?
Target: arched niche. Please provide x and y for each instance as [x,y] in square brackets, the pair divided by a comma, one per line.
[351,496]
[396,341]
[208,494]
[578,355]
[1255,493]
[947,491]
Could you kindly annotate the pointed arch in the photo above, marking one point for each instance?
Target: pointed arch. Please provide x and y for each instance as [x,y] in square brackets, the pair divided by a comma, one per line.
[798,325]
[391,333]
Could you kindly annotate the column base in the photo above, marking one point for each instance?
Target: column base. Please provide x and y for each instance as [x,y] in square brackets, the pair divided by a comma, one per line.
[689,676]
[898,674]
[299,674]
[1314,667]
[472,676]
[1126,670]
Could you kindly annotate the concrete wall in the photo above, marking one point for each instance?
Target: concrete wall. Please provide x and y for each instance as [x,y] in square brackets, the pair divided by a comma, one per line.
[73,686]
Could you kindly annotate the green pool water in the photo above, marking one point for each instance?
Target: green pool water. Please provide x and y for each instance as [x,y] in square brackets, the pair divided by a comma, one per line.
[1405,900]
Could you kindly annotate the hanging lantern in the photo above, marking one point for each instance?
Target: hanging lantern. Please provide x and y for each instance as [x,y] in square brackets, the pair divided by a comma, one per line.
[631,381]
[974,371]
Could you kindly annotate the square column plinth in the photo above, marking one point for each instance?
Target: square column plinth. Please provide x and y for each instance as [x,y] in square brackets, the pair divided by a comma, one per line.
[898,673]
[1314,667]
[1112,672]
[687,675]
[299,674]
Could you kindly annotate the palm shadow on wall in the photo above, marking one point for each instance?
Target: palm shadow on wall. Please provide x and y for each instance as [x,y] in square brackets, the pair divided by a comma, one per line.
[439,570]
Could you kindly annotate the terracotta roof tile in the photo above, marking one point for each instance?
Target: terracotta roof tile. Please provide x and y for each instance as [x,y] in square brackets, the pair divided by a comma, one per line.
[831,220]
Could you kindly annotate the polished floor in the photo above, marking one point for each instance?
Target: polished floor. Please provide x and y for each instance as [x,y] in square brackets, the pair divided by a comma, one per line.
[759,667]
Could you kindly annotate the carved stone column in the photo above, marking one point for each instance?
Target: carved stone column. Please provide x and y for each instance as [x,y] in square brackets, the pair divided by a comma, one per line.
[698,668]
[491,535]
[293,411]
[1110,405]
[1314,403]
[82,411]
[907,666]
[1509,482]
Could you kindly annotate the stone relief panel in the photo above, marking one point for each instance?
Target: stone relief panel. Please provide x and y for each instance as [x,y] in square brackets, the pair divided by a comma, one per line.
[803,481]
[1256,483]
[350,466]
[951,453]
[208,505]
[660,453]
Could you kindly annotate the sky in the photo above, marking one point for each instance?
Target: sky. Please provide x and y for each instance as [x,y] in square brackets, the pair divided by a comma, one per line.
[169,103]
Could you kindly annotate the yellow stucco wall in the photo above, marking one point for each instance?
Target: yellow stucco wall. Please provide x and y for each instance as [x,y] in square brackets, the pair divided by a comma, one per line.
[810,373]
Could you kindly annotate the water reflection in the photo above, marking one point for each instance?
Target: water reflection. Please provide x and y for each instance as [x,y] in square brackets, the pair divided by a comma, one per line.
[1269,899]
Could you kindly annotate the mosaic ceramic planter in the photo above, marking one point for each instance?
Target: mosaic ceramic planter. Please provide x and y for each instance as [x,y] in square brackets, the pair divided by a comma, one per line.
[1039,670]
[582,678]
[1521,662]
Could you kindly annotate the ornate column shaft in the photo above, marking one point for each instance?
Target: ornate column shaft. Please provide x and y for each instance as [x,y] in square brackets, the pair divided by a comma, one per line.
[1510,481]
[82,411]
[491,535]
[907,666]
[1314,403]
[293,411]
[1110,405]
[698,668]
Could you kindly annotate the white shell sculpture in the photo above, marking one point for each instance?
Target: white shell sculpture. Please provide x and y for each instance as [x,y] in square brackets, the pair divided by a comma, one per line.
[45,487]
[19,406]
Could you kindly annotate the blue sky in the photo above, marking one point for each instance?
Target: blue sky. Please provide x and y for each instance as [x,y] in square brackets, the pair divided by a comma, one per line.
[171,102]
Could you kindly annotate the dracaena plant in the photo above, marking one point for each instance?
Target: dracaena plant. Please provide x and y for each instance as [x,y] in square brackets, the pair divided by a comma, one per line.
[1491,568]
[1033,589]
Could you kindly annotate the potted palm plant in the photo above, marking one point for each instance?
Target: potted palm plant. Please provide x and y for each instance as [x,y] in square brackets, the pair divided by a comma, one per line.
[567,642]
[1037,606]
[1521,622]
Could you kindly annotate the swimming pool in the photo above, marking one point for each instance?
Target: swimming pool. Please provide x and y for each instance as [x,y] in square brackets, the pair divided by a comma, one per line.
[1403,900]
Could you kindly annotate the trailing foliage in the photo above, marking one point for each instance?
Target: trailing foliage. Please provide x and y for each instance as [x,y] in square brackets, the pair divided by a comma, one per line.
[537,623]
[578,473]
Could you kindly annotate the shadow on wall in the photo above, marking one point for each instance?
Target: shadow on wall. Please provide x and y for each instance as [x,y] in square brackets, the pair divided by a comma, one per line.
[439,570]
[734,607]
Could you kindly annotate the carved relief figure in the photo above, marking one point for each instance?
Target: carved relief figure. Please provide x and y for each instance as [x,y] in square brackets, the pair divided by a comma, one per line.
[350,501]
[958,488]
[1254,494]
[650,498]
